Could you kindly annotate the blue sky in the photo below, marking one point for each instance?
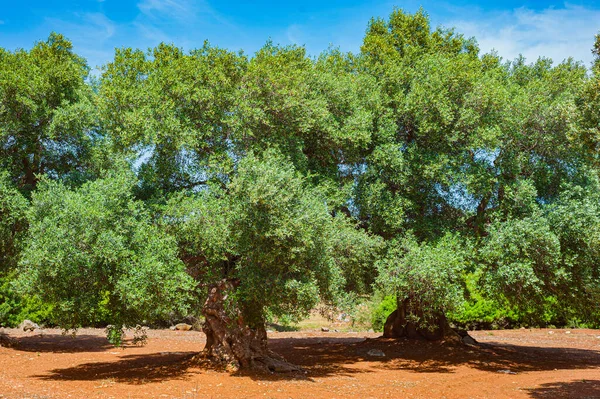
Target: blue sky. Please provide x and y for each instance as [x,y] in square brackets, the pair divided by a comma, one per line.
[96,27]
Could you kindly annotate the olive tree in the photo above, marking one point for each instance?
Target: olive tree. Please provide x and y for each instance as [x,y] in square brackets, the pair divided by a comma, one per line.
[47,113]
[263,245]
[476,147]
[98,244]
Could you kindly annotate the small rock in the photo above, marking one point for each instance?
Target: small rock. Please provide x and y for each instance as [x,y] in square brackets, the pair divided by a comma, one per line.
[270,331]
[506,372]
[550,332]
[183,327]
[335,330]
[324,329]
[371,330]
[567,332]
[172,328]
[28,325]
[376,353]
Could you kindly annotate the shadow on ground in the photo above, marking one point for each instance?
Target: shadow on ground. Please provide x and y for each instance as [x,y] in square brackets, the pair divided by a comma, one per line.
[327,356]
[130,369]
[53,343]
[585,389]
[433,357]
[324,357]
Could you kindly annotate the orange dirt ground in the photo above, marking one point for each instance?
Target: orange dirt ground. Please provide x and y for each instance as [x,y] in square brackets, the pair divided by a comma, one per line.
[508,364]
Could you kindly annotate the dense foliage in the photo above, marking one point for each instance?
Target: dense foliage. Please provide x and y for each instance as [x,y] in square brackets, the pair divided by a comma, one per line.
[451,181]
[97,245]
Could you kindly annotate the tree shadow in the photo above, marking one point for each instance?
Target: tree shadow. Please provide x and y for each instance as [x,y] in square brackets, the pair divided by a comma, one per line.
[317,356]
[130,369]
[582,389]
[496,358]
[325,357]
[57,343]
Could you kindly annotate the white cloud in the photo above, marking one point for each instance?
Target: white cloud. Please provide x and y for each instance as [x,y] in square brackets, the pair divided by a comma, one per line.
[557,33]
[294,34]
[89,27]
[101,24]
[180,10]
[172,8]
[90,33]
[178,21]
[152,33]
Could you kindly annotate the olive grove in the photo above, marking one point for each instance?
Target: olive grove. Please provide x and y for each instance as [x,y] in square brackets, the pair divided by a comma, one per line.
[243,187]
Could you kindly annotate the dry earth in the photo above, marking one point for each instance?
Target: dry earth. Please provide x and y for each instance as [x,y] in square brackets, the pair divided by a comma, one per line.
[508,364]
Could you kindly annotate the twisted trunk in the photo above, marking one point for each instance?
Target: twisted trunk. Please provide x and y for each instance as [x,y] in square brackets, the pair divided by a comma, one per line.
[229,340]
[400,324]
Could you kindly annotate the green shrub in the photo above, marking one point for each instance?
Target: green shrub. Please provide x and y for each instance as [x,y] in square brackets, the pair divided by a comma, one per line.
[14,308]
[478,311]
[482,312]
[381,310]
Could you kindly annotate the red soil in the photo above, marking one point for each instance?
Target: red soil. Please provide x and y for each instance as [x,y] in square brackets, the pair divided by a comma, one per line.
[508,364]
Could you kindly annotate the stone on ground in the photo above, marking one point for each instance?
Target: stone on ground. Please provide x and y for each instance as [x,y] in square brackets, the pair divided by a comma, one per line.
[183,327]
[376,353]
[28,325]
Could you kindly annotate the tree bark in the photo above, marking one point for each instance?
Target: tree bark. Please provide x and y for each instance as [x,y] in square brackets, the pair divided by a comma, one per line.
[230,341]
[399,324]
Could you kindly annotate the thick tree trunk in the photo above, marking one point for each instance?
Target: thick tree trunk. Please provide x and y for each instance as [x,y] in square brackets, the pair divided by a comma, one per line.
[229,340]
[399,324]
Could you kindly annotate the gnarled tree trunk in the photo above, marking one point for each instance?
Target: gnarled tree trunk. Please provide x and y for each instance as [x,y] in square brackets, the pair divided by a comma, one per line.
[230,340]
[399,324]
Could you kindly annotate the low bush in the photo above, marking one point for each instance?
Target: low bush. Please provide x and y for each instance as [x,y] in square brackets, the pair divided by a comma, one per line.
[14,308]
